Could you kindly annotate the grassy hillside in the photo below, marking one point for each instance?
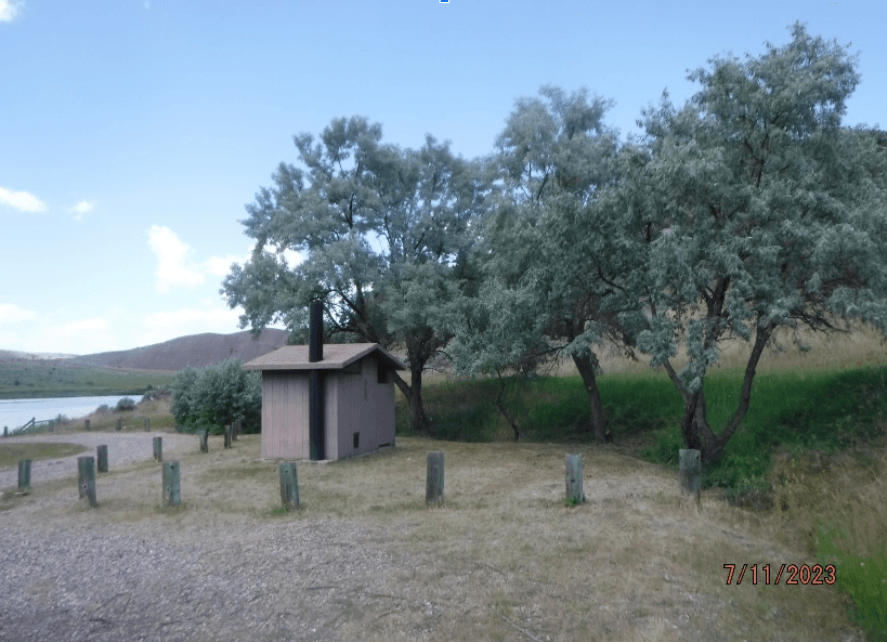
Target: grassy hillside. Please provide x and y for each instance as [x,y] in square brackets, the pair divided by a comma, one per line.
[24,379]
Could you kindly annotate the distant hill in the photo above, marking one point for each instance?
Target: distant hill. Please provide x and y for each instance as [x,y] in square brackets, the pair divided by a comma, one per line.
[197,351]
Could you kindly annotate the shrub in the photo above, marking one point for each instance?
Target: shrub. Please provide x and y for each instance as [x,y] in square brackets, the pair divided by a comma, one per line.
[125,404]
[217,395]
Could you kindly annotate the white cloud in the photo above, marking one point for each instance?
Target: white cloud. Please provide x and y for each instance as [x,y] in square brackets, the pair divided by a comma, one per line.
[82,208]
[10,313]
[22,201]
[147,6]
[163,326]
[8,10]
[173,266]
[221,265]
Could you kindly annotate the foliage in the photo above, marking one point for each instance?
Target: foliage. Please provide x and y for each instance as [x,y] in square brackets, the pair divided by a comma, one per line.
[547,262]
[125,404]
[416,204]
[770,214]
[215,396]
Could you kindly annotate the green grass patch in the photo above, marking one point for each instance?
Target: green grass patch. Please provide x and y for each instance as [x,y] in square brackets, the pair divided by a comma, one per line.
[862,577]
[12,454]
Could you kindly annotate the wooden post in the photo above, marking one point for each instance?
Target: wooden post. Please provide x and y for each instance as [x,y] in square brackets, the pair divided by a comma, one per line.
[573,474]
[102,458]
[289,486]
[86,479]
[147,424]
[119,424]
[691,473]
[24,474]
[229,430]
[86,424]
[434,483]
[204,445]
[158,448]
[51,425]
[236,430]
[172,490]
[6,431]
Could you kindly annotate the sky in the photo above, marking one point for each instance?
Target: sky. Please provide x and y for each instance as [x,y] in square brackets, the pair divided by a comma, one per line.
[133,133]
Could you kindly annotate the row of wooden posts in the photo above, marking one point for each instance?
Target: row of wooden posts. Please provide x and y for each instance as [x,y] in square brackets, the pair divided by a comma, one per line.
[87,465]
[690,475]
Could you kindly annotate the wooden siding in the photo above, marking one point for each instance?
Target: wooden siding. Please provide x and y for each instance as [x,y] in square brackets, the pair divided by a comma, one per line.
[364,406]
[353,403]
[285,420]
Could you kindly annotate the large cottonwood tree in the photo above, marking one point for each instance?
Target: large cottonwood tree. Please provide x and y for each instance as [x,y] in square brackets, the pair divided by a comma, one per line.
[767,213]
[379,230]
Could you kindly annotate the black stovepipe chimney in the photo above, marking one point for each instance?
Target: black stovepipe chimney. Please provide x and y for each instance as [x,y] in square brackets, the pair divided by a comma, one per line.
[315,332]
[315,397]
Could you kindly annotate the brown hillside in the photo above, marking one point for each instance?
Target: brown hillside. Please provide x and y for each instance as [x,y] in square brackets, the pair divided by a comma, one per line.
[197,351]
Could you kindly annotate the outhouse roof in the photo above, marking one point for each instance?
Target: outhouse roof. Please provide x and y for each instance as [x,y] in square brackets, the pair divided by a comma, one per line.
[335,357]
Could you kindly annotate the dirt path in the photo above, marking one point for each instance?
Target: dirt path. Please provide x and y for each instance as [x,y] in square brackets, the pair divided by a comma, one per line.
[123,448]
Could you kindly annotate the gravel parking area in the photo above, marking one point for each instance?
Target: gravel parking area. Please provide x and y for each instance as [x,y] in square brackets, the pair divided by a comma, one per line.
[122,448]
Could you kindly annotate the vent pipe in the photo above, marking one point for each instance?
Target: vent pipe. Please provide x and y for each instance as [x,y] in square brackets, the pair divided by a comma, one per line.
[315,332]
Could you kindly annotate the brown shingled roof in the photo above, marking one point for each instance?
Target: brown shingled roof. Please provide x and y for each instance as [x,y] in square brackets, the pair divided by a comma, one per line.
[335,357]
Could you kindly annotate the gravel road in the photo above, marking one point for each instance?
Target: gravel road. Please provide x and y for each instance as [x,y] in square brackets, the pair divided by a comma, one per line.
[122,448]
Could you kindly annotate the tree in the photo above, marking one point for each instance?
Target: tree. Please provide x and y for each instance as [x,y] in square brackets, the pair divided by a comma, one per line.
[216,396]
[414,205]
[551,266]
[765,212]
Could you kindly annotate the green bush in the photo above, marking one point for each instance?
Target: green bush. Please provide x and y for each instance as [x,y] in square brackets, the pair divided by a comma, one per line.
[215,396]
[126,404]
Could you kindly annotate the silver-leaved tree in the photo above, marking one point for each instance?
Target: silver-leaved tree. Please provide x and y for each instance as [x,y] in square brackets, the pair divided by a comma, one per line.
[379,229]
[766,212]
[552,265]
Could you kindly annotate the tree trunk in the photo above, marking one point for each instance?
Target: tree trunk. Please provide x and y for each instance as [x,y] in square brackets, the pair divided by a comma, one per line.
[697,433]
[502,409]
[419,422]
[585,365]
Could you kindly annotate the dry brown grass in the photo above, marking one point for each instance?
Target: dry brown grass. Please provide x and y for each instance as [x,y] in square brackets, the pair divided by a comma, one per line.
[505,559]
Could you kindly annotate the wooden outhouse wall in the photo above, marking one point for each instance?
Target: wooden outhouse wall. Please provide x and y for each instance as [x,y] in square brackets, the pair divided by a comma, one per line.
[358,403]
[285,428]
[354,402]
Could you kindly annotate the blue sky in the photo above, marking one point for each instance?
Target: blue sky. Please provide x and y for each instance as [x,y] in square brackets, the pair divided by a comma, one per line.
[133,132]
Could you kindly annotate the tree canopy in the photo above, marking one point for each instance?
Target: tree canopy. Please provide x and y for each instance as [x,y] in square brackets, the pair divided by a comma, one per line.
[380,230]
[750,208]
[770,214]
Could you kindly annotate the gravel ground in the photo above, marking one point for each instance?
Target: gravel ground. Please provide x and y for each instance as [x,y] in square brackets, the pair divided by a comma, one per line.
[260,583]
[123,448]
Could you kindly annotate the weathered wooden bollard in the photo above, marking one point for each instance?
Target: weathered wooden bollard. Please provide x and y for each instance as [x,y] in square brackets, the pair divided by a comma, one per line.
[158,448]
[434,483]
[229,431]
[289,486]
[86,479]
[24,475]
[119,424]
[6,431]
[573,474]
[172,490]
[147,424]
[204,445]
[691,473]
[51,425]
[86,424]
[102,458]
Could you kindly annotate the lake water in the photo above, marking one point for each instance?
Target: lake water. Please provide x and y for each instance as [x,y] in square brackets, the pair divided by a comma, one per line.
[15,413]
